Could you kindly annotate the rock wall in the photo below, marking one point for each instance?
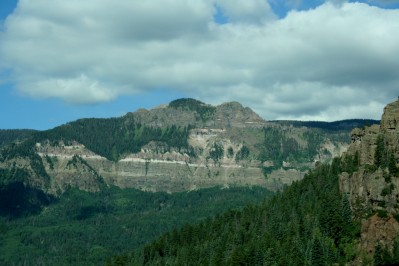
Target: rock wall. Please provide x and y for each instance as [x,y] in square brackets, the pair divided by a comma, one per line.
[373,189]
[374,186]
[158,175]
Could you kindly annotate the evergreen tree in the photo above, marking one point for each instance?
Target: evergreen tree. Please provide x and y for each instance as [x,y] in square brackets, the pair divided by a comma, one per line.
[393,170]
[395,252]
[379,152]
[317,258]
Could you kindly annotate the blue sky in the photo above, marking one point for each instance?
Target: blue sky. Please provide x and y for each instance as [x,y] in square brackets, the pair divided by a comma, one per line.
[308,60]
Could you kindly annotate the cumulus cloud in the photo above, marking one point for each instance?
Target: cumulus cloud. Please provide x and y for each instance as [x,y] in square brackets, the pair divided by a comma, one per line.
[331,62]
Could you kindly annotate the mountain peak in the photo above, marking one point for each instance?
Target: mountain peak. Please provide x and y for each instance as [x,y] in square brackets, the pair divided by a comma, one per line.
[189,111]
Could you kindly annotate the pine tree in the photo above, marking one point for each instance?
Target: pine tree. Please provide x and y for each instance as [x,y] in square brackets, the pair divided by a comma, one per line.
[392,164]
[378,259]
[395,252]
[379,152]
[317,253]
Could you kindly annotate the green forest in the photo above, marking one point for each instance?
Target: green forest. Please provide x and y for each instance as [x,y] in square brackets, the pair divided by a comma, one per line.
[82,228]
[340,125]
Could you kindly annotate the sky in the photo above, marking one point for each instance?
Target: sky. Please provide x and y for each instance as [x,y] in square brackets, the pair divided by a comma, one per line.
[294,59]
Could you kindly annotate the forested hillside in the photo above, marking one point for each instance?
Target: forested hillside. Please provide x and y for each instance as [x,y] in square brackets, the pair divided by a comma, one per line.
[114,137]
[309,223]
[348,124]
[82,228]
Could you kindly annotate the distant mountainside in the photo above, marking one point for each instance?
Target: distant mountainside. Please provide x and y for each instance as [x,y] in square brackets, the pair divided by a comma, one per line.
[347,124]
[343,213]
[181,146]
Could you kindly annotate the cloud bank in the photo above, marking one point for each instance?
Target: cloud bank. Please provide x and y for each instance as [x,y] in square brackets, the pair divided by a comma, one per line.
[331,62]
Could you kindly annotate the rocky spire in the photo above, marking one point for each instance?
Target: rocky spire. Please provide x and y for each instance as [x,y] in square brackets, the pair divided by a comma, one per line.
[390,118]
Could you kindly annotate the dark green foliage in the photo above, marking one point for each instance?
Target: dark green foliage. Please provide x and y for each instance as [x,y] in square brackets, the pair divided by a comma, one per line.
[216,152]
[370,168]
[387,190]
[382,213]
[383,256]
[384,158]
[17,200]
[393,170]
[351,163]
[84,228]
[204,111]
[243,153]
[379,256]
[76,159]
[25,150]
[309,223]
[230,152]
[317,258]
[49,161]
[272,150]
[8,136]
[395,252]
[379,159]
[348,124]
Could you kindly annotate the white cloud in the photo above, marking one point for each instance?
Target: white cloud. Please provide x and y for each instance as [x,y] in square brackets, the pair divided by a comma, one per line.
[310,64]
[79,90]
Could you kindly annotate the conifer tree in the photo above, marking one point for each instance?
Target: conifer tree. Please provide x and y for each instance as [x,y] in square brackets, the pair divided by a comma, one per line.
[379,152]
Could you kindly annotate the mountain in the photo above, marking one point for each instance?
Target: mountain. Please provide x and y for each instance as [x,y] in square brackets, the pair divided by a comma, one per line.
[181,146]
[343,213]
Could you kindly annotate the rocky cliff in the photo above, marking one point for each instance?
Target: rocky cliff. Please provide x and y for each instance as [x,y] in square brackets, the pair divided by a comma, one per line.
[373,189]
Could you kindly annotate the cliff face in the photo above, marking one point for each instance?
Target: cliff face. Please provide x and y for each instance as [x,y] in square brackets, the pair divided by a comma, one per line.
[373,189]
[153,169]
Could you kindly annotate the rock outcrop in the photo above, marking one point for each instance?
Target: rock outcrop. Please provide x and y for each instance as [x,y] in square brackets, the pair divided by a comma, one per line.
[390,119]
[373,189]
[376,182]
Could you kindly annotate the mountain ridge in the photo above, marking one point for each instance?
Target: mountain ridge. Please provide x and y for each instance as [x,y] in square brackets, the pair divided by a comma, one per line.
[182,146]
